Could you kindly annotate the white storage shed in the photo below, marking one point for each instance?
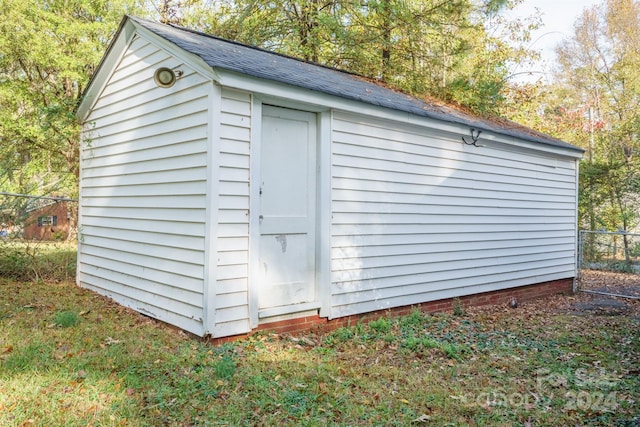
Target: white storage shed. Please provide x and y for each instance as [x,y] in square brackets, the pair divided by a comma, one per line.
[224,187]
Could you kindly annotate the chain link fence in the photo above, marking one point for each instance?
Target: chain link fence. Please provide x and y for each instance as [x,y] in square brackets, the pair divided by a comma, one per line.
[609,251]
[36,237]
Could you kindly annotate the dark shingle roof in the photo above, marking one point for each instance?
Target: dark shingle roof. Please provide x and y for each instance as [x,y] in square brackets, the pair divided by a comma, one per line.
[252,61]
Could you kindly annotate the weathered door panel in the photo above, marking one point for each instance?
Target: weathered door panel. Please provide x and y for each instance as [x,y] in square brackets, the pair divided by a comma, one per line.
[287,208]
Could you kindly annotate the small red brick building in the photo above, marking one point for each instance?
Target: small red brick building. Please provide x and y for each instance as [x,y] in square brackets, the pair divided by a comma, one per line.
[47,221]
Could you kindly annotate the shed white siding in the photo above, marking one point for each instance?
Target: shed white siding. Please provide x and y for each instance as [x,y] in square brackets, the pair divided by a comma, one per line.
[403,212]
[419,216]
[143,190]
[232,274]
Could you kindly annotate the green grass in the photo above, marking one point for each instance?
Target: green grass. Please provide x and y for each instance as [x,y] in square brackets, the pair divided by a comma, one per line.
[69,357]
[66,319]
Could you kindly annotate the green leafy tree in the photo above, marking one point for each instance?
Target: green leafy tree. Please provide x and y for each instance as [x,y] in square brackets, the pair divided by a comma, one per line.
[594,103]
[458,50]
[599,67]
[48,51]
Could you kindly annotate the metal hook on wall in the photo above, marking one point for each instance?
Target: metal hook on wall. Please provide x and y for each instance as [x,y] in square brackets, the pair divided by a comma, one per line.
[475,135]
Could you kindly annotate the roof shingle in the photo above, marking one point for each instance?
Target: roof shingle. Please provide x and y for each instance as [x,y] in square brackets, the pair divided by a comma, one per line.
[259,63]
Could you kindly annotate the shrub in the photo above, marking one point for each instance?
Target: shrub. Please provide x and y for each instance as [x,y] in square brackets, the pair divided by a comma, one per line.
[27,260]
[14,263]
[381,325]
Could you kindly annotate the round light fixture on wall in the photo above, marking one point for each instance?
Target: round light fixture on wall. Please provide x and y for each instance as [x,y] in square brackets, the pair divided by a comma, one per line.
[165,77]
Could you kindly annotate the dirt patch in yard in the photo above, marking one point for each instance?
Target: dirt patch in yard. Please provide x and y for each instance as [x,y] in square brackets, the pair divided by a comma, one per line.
[610,282]
[585,302]
[604,293]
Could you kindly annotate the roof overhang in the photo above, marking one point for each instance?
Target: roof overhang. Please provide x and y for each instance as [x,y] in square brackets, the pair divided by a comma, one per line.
[227,64]
[301,98]
[123,37]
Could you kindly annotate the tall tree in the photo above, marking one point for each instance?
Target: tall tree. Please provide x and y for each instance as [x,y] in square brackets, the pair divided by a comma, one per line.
[595,103]
[444,48]
[600,64]
[48,50]
[304,29]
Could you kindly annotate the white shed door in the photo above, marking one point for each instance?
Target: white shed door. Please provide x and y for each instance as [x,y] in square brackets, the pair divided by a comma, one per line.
[287,210]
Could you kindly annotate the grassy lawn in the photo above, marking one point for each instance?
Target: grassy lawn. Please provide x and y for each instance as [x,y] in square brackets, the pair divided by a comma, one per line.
[71,358]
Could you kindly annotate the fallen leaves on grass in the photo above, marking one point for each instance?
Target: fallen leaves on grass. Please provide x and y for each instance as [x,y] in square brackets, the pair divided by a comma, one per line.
[420,369]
